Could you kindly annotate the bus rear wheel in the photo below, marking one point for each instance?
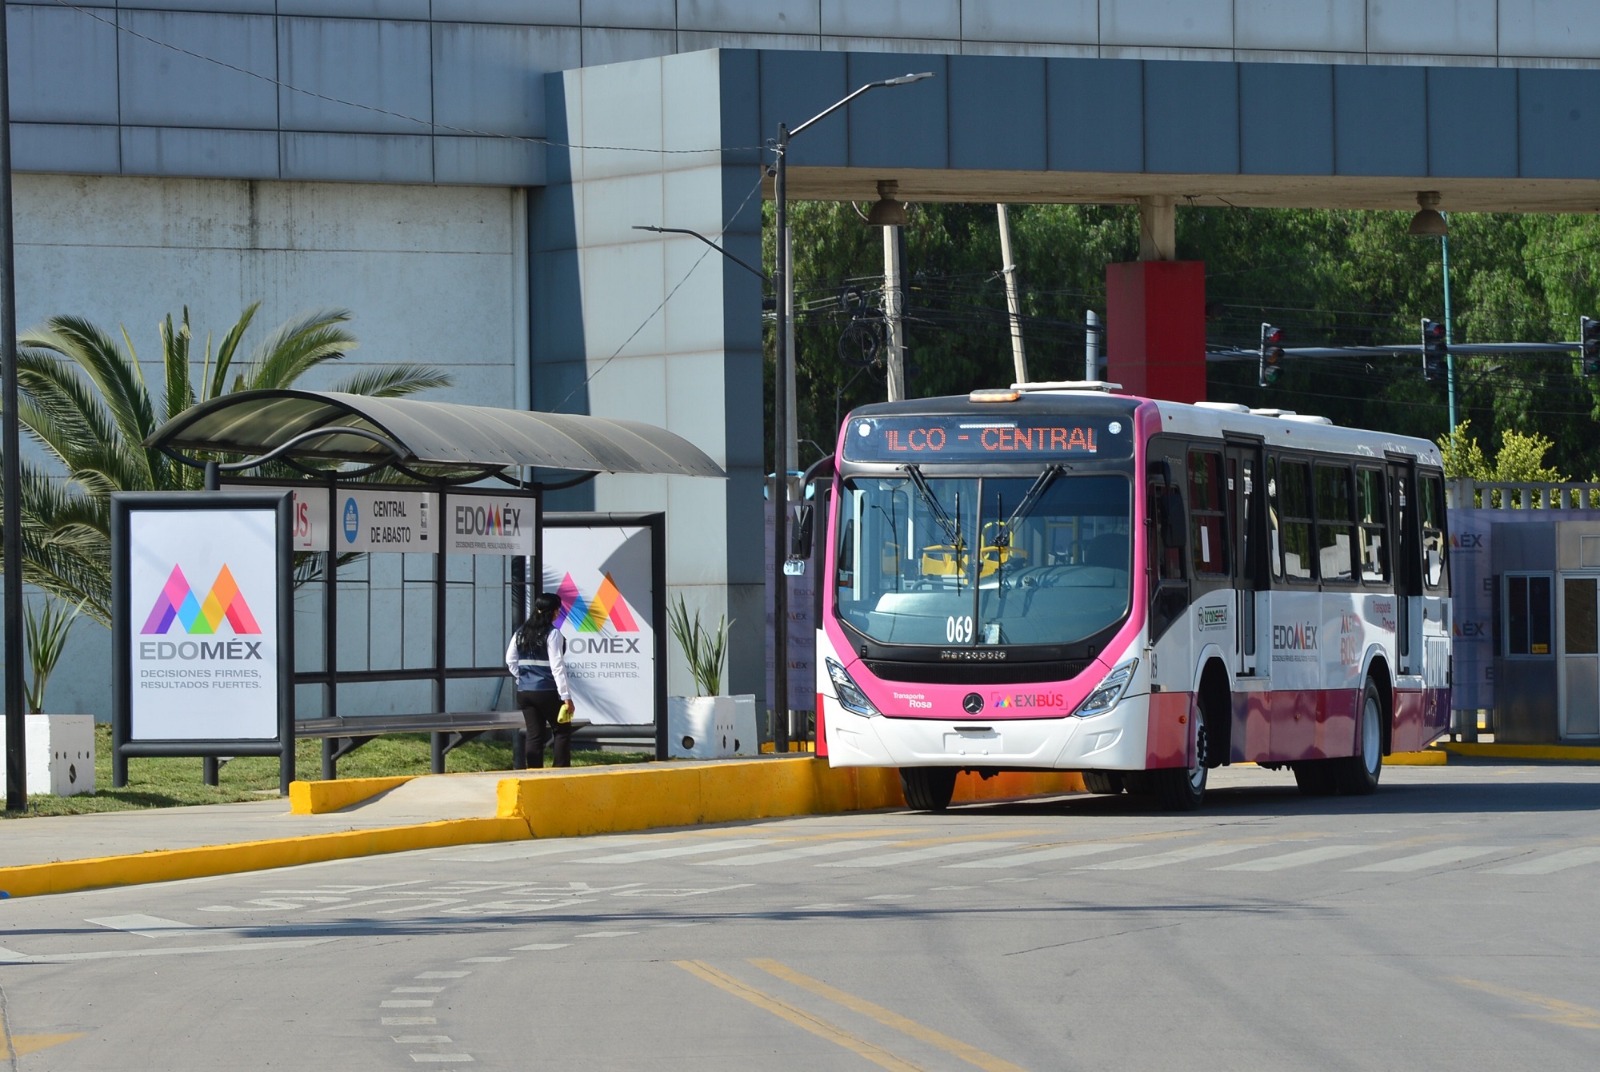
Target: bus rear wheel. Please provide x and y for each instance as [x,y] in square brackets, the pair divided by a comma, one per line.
[928,788]
[1357,775]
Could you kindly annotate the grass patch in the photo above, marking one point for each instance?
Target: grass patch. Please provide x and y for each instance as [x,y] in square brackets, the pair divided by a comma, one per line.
[167,782]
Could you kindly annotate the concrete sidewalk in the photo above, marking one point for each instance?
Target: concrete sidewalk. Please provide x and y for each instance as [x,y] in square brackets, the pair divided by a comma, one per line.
[356,817]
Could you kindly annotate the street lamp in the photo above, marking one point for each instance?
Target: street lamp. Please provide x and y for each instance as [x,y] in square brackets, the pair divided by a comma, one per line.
[781,433]
[1429,221]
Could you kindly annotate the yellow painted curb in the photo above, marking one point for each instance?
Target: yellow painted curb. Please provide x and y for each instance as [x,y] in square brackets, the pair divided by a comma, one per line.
[1429,758]
[166,865]
[606,800]
[320,798]
[1575,753]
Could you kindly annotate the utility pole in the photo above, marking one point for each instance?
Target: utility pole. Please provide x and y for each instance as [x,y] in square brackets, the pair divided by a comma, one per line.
[894,307]
[1008,268]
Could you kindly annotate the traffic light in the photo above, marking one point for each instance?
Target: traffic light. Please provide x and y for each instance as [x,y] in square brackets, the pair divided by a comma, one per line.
[1271,363]
[1435,351]
[1589,340]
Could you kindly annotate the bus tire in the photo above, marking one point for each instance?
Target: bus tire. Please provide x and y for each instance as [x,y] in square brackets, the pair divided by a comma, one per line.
[1099,781]
[1315,777]
[1184,789]
[1358,775]
[928,788]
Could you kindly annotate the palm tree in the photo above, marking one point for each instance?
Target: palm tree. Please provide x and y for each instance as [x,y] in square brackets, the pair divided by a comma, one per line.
[84,400]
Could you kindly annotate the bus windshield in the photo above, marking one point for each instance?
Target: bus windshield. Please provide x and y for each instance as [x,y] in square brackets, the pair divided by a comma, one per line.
[925,559]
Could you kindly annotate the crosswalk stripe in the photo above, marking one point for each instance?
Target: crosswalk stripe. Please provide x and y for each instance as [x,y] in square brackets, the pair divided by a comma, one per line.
[831,848]
[1296,859]
[144,926]
[1545,865]
[932,852]
[1160,859]
[1059,852]
[1436,858]
[676,850]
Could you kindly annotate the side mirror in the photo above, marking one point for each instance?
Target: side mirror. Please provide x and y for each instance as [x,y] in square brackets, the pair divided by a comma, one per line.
[800,533]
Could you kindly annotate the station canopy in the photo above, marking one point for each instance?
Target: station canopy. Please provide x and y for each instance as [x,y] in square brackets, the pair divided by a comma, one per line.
[433,435]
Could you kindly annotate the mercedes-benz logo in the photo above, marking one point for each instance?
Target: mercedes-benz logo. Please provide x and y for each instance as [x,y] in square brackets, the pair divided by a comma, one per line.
[972,703]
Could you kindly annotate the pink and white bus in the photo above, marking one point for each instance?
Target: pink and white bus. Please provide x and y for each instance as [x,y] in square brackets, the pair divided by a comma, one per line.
[1060,577]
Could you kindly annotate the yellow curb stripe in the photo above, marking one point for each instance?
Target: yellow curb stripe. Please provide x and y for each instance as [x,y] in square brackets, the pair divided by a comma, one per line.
[1415,759]
[953,1046]
[166,865]
[320,798]
[1521,751]
[819,1027]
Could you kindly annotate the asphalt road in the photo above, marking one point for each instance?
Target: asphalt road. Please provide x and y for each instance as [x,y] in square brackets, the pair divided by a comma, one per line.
[1448,922]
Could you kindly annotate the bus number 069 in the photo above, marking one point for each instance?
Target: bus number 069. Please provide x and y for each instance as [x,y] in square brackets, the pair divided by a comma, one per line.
[958,630]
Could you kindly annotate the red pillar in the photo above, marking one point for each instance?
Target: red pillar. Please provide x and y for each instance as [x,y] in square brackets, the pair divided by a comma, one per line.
[1156,329]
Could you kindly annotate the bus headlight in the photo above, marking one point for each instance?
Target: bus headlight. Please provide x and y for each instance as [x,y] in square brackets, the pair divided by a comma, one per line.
[1105,697]
[851,698]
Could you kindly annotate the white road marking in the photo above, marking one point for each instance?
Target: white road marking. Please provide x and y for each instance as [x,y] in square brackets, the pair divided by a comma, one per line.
[828,848]
[932,852]
[1059,852]
[408,1021]
[1546,865]
[676,850]
[406,1003]
[539,947]
[1297,859]
[263,945]
[1436,858]
[1160,859]
[144,926]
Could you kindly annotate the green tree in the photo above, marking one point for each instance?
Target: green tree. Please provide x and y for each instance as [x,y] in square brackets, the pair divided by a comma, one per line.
[84,400]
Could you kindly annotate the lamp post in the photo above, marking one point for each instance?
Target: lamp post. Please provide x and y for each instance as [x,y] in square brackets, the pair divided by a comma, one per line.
[11,479]
[1428,222]
[782,435]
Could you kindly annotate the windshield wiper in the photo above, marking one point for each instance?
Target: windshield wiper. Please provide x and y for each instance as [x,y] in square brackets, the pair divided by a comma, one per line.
[952,529]
[1041,485]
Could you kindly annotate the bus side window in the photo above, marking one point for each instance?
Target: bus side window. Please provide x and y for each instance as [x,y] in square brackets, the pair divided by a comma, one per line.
[1372,517]
[1435,548]
[1209,541]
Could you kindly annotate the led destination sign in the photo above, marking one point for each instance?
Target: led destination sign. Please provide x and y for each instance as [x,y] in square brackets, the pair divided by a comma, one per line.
[966,438]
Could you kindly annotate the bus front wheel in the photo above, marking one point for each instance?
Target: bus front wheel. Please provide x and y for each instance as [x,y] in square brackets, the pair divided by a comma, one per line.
[1096,781]
[928,788]
[1183,789]
[1357,775]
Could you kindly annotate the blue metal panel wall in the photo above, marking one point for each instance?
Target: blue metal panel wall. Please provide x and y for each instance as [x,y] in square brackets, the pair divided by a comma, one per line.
[1472,121]
[1095,115]
[1191,117]
[991,126]
[1380,121]
[1285,119]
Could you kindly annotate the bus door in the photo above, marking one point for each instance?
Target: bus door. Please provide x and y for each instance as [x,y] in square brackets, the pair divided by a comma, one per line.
[1577,612]
[1243,462]
[1405,564]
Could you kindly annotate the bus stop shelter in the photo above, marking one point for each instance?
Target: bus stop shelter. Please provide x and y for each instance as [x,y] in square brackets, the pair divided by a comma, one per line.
[331,437]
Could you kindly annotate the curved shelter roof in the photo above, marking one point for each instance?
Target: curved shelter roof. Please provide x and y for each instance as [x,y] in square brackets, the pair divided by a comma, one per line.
[429,433]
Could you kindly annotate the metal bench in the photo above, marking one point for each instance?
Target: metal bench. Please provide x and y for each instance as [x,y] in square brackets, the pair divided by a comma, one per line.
[343,734]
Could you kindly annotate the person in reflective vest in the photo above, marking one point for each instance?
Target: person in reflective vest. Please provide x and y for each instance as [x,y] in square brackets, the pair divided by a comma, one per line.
[537,659]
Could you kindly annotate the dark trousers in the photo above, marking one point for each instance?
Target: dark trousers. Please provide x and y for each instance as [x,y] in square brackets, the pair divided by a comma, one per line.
[539,711]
